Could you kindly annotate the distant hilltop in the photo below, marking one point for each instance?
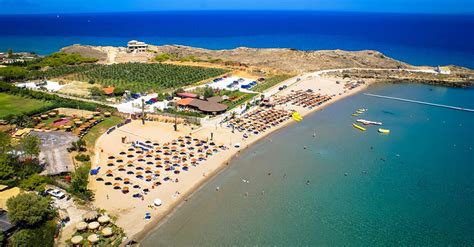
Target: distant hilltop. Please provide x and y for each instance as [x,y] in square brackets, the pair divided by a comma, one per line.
[270,61]
[282,59]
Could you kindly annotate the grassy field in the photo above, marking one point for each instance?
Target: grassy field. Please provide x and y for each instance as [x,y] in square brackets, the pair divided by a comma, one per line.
[12,104]
[99,129]
[270,82]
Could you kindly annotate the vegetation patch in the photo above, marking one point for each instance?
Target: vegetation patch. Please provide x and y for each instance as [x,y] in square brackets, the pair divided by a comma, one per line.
[270,82]
[91,137]
[13,104]
[144,77]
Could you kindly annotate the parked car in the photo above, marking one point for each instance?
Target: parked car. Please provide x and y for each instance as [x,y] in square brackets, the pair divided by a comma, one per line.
[56,193]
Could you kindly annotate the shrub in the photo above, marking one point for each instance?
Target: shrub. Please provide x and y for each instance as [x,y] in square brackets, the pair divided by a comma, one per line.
[35,182]
[83,157]
[38,236]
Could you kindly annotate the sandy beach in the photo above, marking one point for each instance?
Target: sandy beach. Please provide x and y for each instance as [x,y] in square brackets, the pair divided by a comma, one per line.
[131,211]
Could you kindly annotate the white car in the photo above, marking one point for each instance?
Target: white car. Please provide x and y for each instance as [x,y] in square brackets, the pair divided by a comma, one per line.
[56,193]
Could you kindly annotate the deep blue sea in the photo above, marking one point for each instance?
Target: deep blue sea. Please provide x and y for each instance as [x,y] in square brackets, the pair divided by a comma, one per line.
[420,39]
[413,187]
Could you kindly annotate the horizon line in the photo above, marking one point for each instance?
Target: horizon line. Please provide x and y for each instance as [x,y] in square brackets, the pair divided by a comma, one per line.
[242,10]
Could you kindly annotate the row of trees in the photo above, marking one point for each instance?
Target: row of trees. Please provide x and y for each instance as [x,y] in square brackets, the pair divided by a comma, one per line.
[143,77]
[54,65]
[58,59]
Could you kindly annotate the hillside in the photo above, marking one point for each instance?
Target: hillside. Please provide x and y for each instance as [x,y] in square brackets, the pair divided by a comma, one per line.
[283,60]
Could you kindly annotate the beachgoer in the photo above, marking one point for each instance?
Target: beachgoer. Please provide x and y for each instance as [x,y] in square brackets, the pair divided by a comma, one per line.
[107,196]
[246,194]
[307,182]
[217,188]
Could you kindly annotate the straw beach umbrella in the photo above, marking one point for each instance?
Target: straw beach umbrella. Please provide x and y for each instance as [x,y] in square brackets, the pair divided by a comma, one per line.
[93,238]
[90,216]
[93,225]
[81,226]
[76,240]
[106,232]
[104,219]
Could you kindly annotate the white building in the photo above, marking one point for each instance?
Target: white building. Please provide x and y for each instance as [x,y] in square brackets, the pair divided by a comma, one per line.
[136,46]
[442,70]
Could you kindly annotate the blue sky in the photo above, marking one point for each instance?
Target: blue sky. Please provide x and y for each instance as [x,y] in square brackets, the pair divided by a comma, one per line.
[75,6]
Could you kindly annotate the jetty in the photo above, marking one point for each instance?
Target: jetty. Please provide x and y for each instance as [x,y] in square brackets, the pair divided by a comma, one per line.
[421,102]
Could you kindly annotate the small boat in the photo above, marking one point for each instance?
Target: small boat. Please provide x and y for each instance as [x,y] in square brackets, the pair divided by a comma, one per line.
[384,131]
[355,115]
[358,127]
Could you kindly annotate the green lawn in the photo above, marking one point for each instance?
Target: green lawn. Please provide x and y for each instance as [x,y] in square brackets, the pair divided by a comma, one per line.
[270,82]
[12,104]
[100,129]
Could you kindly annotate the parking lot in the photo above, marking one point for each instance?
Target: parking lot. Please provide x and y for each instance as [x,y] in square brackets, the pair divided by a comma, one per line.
[54,154]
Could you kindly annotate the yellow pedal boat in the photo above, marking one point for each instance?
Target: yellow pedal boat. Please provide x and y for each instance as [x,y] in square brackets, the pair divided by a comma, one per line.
[358,127]
[384,131]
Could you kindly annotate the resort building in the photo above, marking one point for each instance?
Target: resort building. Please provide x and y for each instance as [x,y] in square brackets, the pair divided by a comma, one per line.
[137,46]
[209,106]
[442,70]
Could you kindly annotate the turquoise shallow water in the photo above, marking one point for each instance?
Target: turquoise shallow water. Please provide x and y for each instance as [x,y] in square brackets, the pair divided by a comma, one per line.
[412,187]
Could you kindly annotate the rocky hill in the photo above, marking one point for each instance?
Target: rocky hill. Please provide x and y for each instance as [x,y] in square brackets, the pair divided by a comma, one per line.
[284,60]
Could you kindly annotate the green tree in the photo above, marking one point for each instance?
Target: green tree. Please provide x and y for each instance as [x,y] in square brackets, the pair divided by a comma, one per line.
[79,183]
[30,145]
[35,182]
[7,172]
[28,209]
[25,168]
[79,145]
[12,73]
[10,53]
[5,143]
[208,92]
[21,120]
[119,91]
[95,91]
[32,237]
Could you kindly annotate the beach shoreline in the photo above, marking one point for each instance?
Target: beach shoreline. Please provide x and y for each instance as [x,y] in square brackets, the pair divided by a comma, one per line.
[158,222]
[130,214]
